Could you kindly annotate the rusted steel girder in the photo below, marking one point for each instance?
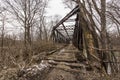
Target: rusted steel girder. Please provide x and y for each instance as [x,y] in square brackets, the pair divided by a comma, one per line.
[62,21]
[66,30]
[67,27]
[66,17]
[60,34]
[72,28]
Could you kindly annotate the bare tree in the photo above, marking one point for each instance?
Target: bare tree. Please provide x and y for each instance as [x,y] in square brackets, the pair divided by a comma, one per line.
[113,13]
[69,3]
[2,35]
[94,12]
[26,11]
[2,27]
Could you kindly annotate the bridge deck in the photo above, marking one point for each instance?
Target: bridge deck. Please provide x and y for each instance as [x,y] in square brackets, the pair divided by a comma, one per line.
[62,63]
[66,54]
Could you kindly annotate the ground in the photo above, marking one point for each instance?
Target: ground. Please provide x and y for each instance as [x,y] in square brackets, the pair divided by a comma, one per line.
[61,65]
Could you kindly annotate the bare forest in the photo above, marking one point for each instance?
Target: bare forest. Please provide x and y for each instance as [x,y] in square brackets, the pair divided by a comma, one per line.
[29,41]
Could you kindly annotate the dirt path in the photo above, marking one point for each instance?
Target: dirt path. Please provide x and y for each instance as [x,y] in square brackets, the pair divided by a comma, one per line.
[62,63]
[58,74]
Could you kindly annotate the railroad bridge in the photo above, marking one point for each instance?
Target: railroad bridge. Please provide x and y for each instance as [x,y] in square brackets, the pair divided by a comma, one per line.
[81,59]
[82,34]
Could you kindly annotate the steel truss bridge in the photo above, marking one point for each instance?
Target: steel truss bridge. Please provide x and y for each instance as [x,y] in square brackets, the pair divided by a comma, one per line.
[83,37]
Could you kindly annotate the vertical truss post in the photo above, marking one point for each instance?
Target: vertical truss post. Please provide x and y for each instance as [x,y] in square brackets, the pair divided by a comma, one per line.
[66,31]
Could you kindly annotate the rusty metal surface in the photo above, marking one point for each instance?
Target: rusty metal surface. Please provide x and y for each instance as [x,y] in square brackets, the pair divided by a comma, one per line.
[66,17]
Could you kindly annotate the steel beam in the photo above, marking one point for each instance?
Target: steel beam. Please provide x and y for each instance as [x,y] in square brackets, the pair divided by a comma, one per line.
[67,17]
[66,30]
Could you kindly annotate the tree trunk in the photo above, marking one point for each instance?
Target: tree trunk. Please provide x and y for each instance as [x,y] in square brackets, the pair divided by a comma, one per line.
[104,43]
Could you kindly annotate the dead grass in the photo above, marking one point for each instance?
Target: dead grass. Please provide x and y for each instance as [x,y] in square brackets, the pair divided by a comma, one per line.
[17,56]
[41,46]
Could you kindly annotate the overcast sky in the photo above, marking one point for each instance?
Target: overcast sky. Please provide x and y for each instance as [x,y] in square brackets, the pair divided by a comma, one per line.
[56,7]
